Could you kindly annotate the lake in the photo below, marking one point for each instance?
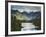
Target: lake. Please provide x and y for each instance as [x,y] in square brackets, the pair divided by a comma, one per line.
[28,26]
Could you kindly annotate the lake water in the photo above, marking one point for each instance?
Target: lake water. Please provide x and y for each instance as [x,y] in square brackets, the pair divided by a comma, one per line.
[28,26]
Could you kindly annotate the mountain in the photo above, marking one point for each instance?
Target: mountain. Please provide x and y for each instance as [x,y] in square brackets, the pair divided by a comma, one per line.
[30,15]
[14,11]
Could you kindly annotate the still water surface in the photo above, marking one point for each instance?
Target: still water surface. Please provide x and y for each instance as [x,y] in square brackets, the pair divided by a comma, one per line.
[28,27]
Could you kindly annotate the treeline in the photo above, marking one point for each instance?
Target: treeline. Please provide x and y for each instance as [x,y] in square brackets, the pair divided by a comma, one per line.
[37,22]
[15,24]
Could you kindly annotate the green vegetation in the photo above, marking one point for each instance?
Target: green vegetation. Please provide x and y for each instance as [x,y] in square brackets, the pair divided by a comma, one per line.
[37,22]
[19,18]
[15,24]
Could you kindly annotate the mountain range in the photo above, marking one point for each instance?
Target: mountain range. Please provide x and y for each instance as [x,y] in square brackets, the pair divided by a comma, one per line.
[29,15]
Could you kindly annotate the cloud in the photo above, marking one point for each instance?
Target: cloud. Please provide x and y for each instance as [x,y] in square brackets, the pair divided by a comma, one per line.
[28,9]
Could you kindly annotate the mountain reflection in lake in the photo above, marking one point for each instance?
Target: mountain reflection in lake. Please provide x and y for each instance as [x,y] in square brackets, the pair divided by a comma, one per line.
[28,27]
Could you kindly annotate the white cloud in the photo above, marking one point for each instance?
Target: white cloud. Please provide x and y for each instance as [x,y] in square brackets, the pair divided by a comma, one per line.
[25,9]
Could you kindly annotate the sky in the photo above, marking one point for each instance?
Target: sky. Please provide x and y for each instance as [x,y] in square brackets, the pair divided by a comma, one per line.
[26,8]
